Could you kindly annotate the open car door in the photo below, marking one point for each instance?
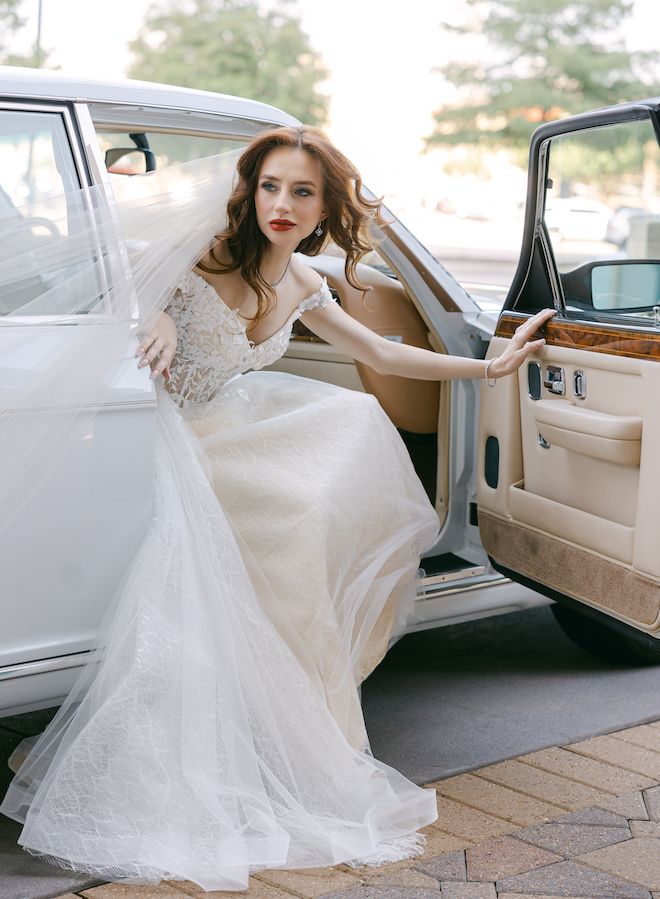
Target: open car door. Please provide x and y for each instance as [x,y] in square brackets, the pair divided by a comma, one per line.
[569,474]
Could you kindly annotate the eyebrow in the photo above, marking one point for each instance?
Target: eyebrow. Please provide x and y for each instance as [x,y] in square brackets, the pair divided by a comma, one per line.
[297,183]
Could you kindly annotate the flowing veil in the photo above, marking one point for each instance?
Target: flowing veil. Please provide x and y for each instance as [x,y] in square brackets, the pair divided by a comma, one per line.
[104,272]
[193,746]
[108,269]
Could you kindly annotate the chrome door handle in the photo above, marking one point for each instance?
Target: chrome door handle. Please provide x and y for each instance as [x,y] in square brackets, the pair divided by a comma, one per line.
[554,380]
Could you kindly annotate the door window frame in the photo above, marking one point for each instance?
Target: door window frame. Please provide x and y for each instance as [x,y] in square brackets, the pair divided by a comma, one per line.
[536,242]
[71,124]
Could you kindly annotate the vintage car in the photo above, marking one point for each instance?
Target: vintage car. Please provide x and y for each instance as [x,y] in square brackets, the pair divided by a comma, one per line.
[549,492]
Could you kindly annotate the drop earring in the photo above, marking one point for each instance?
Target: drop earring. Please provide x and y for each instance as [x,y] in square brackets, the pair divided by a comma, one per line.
[319,230]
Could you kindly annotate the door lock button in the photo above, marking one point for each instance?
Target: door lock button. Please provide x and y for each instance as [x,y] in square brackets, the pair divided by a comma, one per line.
[579,384]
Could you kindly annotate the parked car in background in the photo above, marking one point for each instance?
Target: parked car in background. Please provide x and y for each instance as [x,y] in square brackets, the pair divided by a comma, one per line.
[618,227]
[549,492]
[576,218]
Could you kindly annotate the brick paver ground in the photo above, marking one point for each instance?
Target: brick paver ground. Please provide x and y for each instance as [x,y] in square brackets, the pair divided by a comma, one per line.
[579,821]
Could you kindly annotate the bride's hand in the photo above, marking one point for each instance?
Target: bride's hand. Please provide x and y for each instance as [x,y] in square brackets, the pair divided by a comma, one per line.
[158,347]
[520,345]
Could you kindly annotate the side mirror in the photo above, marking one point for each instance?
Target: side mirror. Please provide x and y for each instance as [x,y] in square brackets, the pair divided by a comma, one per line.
[633,286]
[134,161]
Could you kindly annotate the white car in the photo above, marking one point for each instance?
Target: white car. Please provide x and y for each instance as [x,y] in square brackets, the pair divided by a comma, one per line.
[578,218]
[553,486]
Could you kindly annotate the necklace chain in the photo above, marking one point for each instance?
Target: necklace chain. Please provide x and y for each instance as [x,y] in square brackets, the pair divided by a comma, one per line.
[281,278]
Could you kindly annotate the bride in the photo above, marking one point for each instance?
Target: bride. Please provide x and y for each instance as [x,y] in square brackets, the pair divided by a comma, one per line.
[218,730]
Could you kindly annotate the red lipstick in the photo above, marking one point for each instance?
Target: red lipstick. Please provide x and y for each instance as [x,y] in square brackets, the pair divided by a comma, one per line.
[281,225]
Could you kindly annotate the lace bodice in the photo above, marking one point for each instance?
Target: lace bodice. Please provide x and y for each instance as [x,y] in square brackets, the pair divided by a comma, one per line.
[213,344]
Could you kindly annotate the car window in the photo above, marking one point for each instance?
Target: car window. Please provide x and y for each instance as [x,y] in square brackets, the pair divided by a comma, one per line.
[602,215]
[35,161]
[149,150]
[40,202]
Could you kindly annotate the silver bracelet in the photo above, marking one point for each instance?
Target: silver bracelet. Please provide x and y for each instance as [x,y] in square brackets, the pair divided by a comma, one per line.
[493,381]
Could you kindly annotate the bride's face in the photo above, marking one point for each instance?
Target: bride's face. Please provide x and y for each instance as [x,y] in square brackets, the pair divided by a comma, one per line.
[289,196]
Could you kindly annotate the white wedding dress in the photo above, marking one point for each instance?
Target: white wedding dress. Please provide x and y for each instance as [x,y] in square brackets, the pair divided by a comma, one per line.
[219,732]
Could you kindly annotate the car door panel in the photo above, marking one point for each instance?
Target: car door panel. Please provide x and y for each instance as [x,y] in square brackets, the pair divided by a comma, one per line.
[568,478]
[578,513]
[69,547]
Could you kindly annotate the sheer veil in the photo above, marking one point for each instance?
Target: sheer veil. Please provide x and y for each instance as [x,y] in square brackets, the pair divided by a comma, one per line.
[102,273]
[194,746]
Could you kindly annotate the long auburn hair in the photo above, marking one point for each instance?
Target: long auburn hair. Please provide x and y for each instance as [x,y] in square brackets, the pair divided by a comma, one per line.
[348,213]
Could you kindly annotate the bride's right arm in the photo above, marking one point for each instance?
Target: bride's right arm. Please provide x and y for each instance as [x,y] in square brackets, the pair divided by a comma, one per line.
[158,347]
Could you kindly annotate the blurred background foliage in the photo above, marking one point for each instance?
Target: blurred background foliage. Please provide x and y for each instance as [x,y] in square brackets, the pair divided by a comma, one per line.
[11,23]
[544,60]
[233,47]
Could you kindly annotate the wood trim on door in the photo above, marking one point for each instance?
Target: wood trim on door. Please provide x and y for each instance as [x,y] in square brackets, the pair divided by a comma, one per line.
[597,337]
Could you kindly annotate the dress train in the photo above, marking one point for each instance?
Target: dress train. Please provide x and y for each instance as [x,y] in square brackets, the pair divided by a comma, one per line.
[209,740]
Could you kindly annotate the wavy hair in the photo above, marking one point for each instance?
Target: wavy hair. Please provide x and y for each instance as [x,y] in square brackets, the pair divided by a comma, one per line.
[347,221]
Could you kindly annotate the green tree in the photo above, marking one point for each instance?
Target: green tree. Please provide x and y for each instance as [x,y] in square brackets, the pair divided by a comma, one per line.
[10,24]
[232,47]
[36,59]
[9,21]
[547,59]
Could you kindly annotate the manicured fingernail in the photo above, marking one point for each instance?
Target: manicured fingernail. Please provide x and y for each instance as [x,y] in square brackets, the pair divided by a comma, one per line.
[154,374]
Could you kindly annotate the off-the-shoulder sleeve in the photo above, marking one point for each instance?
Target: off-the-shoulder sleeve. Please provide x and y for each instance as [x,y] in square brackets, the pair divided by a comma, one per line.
[322,297]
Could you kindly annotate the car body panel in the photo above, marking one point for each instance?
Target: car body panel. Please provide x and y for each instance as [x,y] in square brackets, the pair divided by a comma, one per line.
[36,84]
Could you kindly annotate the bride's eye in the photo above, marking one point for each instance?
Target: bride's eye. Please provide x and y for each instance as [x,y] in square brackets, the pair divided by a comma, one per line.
[303,192]
[268,185]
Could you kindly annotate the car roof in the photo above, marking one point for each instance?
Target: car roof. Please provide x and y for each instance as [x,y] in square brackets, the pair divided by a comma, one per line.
[19,82]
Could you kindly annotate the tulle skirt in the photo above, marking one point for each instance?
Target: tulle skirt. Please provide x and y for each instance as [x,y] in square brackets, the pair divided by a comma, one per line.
[218,731]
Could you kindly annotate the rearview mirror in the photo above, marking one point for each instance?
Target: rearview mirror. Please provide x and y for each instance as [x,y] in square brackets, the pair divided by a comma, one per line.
[129,161]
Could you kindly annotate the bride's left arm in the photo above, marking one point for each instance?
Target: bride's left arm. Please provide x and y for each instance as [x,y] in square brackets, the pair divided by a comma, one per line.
[386,357]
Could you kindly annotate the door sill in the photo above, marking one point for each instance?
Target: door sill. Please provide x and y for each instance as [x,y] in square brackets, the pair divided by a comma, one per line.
[443,572]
